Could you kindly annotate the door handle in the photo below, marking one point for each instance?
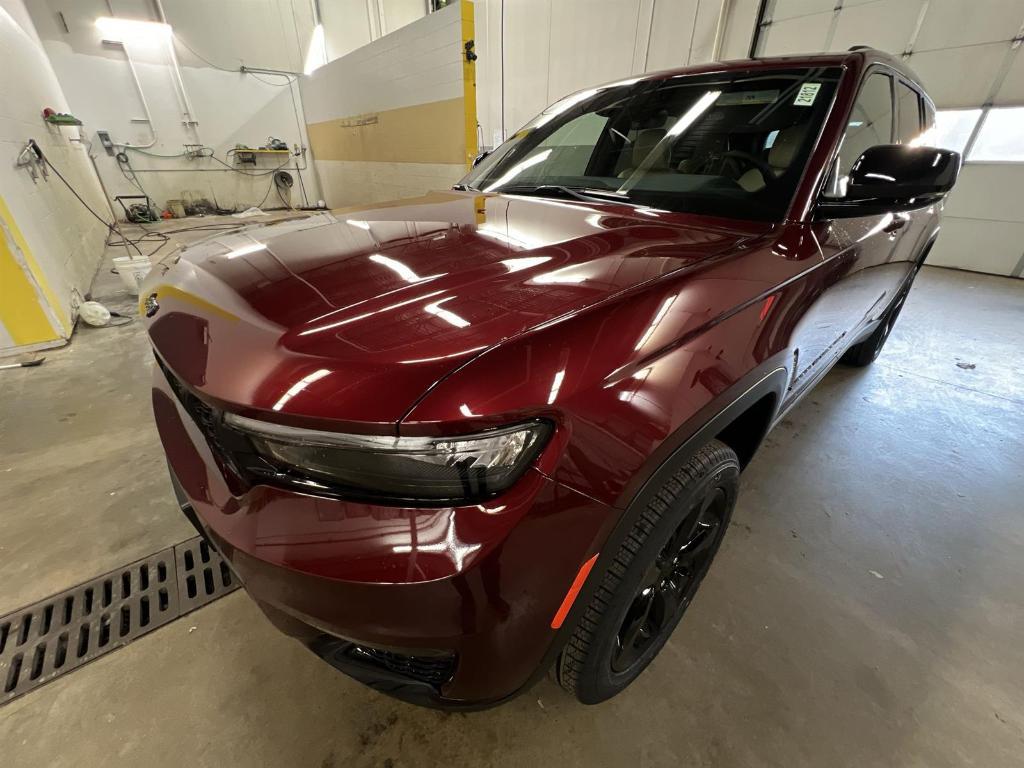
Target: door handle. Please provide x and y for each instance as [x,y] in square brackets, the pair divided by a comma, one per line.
[896,224]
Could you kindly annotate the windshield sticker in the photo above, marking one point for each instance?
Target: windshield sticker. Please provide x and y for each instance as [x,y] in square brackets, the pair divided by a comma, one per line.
[806,96]
[739,98]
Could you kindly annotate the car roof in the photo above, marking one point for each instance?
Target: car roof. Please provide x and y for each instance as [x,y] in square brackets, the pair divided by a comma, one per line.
[858,57]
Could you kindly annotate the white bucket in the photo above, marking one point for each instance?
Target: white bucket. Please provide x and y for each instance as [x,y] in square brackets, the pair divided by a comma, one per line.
[132,271]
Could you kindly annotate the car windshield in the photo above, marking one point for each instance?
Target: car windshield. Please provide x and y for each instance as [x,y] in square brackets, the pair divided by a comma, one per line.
[730,144]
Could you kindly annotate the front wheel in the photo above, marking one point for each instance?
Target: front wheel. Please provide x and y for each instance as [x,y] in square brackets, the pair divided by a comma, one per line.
[656,572]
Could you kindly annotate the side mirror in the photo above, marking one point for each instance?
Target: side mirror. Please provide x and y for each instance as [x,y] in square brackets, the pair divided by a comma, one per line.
[894,176]
[477,160]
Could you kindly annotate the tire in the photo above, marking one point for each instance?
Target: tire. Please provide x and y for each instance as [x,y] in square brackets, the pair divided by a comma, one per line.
[653,578]
[865,352]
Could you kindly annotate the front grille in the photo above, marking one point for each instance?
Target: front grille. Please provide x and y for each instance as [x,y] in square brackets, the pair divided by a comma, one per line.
[434,670]
[224,444]
[206,417]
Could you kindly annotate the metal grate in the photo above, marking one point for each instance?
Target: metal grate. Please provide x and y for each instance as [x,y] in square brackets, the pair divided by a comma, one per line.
[63,632]
[202,574]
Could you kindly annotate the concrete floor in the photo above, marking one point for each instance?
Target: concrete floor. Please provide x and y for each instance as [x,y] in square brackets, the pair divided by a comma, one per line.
[866,609]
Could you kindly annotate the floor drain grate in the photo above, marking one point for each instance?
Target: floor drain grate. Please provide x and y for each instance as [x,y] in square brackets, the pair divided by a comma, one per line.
[202,574]
[65,631]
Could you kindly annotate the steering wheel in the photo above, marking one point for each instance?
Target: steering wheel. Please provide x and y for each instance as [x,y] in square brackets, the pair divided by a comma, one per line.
[767,172]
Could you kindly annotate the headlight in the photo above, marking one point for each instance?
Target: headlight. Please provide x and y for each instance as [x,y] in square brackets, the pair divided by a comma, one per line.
[464,468]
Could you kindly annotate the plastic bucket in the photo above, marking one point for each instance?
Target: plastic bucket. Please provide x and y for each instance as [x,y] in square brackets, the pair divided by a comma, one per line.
[132,271]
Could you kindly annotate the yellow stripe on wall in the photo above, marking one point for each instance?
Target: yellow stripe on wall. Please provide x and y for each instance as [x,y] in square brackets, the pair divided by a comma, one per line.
[16,287]
[423,133]
[21,312]
[469,82]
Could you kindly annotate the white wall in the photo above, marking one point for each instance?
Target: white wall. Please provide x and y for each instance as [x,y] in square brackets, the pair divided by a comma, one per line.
[351,24]
[229,107]
[533,52]
[51,244]
[964,52]
[408,76]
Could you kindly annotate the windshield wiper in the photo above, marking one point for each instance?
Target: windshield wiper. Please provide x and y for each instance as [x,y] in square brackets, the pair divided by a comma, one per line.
[549,190]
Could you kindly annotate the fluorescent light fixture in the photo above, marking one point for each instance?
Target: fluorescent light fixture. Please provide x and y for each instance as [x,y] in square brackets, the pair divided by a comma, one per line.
[517,265]
[619,83]
[693,113]
[132,30]
[316,56]
[556,384]
[447,315]
[559,107]
[518,168]
[658,317]
[365,315]
[244,250]
[298,386]
[397,267]
[565,275]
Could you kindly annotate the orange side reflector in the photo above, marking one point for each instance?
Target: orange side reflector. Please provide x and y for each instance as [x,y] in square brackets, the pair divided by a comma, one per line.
[570,596]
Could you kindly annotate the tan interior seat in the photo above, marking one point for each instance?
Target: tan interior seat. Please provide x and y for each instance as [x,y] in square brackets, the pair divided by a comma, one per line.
[643,145]
[781,154]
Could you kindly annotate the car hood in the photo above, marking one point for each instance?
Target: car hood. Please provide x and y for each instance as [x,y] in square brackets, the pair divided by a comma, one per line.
[351,315]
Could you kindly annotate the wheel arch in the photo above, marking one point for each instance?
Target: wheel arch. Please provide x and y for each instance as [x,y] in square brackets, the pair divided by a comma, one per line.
[740,417]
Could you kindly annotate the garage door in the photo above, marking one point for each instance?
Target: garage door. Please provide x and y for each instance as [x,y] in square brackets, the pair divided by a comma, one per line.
[968,54]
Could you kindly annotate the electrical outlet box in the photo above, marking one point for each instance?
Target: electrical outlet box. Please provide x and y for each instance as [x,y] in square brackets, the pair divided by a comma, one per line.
[104,137]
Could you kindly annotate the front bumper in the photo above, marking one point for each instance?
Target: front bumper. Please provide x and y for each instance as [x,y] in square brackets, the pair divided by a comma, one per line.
[477,585]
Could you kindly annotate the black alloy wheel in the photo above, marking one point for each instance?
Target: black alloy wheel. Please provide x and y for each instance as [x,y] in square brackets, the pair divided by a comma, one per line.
[672,579]
[643,592]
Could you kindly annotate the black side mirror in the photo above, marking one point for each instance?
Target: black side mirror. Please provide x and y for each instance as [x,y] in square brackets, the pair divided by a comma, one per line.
[897,172]
[481,156]
[896,176]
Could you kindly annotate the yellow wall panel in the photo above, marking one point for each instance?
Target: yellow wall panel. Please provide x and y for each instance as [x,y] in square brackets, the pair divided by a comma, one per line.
[425,133]
[22,280]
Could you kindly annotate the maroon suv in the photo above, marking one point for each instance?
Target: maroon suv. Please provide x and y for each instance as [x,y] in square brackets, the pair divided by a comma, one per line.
[453,442]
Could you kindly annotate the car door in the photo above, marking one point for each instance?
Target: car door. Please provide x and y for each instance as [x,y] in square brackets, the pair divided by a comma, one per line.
[860,272]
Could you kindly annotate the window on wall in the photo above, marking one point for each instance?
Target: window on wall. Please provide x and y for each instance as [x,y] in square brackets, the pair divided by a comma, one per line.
[1001,137]
[952,129]
[437,5]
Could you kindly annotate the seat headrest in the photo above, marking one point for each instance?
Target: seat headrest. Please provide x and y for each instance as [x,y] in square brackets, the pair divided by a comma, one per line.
[644,144]
[786,145]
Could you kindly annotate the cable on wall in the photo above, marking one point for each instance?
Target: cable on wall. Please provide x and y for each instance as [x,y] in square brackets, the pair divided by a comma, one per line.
[111,227]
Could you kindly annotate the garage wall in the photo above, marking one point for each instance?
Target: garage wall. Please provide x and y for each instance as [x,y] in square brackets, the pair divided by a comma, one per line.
[968,55]
[49,245]
[351,24]
[212,39]
[533,52]
[389,120]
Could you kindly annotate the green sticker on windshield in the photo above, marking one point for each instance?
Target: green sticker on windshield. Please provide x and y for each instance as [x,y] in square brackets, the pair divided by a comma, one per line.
[807,94]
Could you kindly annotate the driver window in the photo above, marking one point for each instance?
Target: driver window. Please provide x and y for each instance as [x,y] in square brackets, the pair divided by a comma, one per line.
[870,123]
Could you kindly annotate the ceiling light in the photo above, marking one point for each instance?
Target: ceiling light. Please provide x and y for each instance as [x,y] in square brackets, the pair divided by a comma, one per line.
[132,30]
[316,56]
[245,250]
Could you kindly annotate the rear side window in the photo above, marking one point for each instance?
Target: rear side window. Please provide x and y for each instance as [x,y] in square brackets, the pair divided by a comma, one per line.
[908,105]
[870,123]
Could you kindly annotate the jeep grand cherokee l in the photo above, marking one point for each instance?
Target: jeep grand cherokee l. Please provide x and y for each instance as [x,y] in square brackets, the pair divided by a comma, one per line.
[454,442]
